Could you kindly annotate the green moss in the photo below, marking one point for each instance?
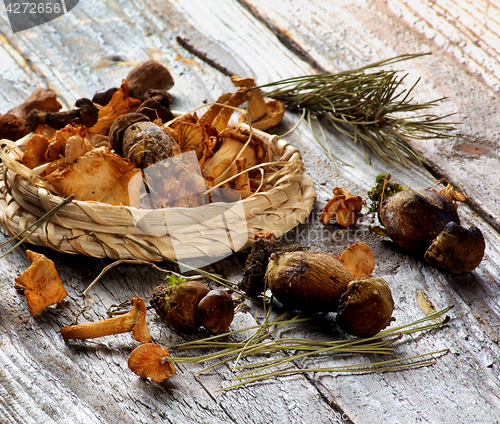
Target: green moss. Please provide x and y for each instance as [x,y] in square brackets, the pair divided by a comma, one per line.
[172,280]
[384,188]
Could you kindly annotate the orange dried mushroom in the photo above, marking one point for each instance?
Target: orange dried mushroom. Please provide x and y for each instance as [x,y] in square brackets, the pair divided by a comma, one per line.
[358,258]
[99,175]
[34,155]
[263,115]
[343,206]
[120,104]
[41,283]
[151,360]
[134,320]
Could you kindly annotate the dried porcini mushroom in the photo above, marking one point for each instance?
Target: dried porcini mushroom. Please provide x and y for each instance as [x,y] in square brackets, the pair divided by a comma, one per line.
[156,105]
[149,74]
[41,283]
[41,99]
[358,259]
[85,113]
[308,281]
[365,308]
[263,115]
[216,311]
[343,206]
[121,103]
[99,175]
[456,249]
[151,361]
[134,321]
[176,302]
[12,127]
[140,140]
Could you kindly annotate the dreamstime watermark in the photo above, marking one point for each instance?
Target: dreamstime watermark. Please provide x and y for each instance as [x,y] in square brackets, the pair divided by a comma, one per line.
[29,14]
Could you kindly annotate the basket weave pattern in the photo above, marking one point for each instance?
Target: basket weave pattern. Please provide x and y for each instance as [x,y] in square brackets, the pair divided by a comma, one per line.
[97,229]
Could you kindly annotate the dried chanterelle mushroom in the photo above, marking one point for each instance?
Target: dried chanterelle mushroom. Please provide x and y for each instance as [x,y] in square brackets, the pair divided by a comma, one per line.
[358,258]
[41,283]
[263,115]
[151,361]
[343,206]
[134,321]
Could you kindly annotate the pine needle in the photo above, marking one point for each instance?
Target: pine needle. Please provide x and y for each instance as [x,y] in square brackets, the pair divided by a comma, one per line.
[370,106]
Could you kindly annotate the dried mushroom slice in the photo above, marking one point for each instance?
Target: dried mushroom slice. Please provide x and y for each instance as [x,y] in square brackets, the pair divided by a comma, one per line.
[99,176]
[358,258]
[151,361]
[34,155]
[41,283]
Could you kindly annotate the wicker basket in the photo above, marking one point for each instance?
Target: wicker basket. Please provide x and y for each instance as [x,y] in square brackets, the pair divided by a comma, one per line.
[98,230]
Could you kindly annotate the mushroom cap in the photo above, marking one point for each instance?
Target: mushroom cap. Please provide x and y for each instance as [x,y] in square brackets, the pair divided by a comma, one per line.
[120,125]
[365,308]
[149,74]
[149,360]
[216,311]
[330,210]
[275,113]
[346,217]
[456,249]
[41,283]
[358,258]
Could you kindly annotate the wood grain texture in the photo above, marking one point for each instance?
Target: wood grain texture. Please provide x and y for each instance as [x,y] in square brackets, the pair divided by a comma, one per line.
[43,379]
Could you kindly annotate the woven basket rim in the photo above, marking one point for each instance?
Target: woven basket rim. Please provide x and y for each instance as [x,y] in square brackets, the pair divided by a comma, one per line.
[98,229]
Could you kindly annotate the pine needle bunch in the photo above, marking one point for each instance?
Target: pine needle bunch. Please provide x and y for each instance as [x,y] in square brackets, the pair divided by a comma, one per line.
[288,350]
[371,106]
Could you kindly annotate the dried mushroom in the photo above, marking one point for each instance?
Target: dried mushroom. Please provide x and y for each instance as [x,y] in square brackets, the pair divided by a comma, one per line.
[85,113]
[147,75]
[358,259]
[99,175]
[343,206]
[12,127]
[34,155]
[134,321]
[41,99]
[121,103]
[263,115]
[151,361]
[41,283]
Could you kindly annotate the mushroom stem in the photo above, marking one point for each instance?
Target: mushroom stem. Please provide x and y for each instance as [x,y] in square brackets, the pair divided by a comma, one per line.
[107,327]
[256,105]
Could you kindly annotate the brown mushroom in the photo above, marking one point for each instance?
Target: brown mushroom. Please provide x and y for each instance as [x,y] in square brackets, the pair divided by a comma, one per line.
[85,113]
[343,206]
[365,308]
[263,115]
[151,361]
[149,74]
[134,321]
[216,311]
[12,127]
[358,258]
[41,99]
[456,249]
[41,283]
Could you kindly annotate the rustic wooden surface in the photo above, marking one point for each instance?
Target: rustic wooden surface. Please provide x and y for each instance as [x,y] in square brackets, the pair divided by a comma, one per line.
[43,379]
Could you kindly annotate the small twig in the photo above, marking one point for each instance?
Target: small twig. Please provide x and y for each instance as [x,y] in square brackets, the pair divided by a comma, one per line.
[202,56]
[134,261]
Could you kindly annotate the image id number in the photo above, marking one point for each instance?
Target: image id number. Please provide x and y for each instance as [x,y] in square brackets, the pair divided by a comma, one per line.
[25,7]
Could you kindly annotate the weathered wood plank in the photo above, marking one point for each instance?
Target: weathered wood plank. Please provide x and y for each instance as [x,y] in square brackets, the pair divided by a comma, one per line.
[92,48]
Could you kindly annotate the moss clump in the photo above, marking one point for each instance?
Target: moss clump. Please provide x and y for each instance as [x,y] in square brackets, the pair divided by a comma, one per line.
[384,188]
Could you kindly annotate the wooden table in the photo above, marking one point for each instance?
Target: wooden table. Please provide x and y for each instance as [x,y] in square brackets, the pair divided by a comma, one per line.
[94,46]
